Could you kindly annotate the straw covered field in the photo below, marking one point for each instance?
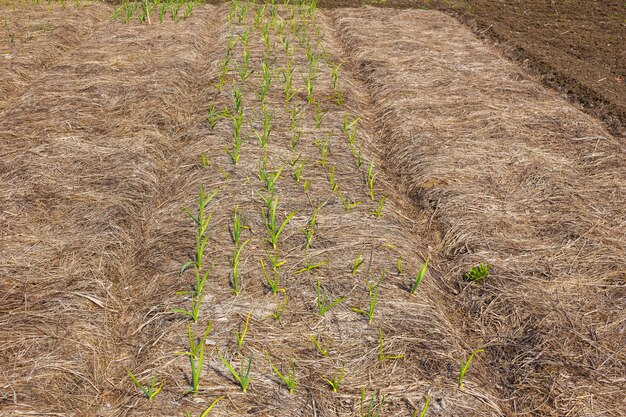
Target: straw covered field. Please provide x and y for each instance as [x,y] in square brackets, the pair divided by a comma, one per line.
[284,210]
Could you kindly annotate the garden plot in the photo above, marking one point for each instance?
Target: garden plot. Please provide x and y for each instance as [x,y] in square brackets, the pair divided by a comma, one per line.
[516,177]
[216,216]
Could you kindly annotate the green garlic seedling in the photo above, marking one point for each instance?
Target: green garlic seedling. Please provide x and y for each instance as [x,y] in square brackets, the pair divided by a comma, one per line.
[425,409]
[274,282]
[319,115]
[336,380]
[347,124]
[373,291]
[324,148]
[196,357]
[309,230]
[419,277]
[379,208]
[465,366]
[309,89]
[358,157]
[280,309]
[269,178]
[293,143]
[241,336]
[297,171]
[202,221]
[309,267]
[208,409]
[357,263]
[242,377]
[289,379]
[331,178]
[265,82]
[347,202]
[235,264]
[237,228]
[296,115]
[370,180]
[323,304]
[271,224]
[150,390]
[381,353]
[373,409]
[334,76]
[320,349]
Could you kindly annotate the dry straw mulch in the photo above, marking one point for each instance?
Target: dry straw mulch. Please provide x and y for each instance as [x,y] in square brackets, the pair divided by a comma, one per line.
[99,155]
[515,176]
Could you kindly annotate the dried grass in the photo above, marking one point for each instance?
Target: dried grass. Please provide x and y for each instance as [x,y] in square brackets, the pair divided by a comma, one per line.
[35,37]
[99,154]
[515,176]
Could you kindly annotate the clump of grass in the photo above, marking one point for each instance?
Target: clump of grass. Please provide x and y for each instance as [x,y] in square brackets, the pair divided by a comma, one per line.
[243,377]
[465,366]
[419,277]
[288,378]
[241,336]
[381,353]
[373,291]
[150,390]
[478,273]
[336,379]
[196,356]
[323,303]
